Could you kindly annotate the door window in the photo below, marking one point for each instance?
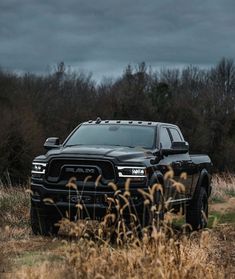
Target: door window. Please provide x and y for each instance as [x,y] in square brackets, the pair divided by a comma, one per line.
[165,139]
[175,135]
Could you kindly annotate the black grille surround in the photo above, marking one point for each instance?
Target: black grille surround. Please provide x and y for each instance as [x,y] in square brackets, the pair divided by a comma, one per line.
[62,169]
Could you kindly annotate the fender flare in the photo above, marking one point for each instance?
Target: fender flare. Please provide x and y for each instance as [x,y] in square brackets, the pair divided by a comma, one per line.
[204,180]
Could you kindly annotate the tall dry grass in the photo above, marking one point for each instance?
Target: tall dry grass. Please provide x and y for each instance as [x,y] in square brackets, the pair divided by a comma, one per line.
[223,187]
[14,212]
[155,256]
[99,250]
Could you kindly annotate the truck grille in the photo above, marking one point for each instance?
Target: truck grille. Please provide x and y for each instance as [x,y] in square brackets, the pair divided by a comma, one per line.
[64,169]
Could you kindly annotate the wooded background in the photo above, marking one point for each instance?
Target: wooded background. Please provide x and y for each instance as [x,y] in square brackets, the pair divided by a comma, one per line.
[33,107]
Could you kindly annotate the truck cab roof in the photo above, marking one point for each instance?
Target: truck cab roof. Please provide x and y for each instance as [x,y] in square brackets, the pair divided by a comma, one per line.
[128,122]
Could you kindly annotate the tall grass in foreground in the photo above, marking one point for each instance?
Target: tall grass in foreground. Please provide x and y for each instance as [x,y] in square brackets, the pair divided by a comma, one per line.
[88,252]
[155,256]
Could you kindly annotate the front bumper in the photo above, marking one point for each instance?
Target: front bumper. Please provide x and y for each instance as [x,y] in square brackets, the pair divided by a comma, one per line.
[95,204]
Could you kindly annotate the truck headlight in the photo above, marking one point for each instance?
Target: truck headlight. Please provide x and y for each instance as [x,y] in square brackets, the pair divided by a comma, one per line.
[38,169]
[131,171]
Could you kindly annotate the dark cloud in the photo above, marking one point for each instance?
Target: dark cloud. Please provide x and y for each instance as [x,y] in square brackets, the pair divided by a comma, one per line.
[105,35]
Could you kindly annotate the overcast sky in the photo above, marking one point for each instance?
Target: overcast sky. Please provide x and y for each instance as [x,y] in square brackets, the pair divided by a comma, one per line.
[103,36]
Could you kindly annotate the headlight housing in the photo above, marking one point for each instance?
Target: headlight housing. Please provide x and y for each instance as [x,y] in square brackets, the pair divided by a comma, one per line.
[38,169]
[126,171]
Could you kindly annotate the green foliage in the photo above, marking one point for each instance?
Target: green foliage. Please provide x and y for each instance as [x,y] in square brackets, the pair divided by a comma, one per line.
[36,258]
[221,218]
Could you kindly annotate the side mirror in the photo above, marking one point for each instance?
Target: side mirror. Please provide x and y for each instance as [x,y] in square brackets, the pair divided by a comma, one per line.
[181,146]
[51,143]
[177,147]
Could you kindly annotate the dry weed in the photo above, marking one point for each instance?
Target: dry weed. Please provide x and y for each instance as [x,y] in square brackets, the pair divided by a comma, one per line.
[223,187]
[101,250]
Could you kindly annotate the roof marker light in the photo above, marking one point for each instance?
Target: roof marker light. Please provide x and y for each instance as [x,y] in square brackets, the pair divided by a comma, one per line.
[98,120]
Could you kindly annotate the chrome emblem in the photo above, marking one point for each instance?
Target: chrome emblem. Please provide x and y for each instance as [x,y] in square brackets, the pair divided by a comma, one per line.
[80,170]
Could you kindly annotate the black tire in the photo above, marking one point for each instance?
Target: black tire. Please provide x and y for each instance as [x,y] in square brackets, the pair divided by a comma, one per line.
[41,225]
[197,210]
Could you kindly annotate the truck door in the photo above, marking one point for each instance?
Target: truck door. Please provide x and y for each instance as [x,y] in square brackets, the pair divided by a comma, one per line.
[180,163]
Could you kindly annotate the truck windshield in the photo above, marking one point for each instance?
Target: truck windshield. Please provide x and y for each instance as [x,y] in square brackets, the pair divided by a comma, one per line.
[113,135]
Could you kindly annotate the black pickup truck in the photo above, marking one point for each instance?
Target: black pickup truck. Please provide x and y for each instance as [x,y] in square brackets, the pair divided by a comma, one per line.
[99,152]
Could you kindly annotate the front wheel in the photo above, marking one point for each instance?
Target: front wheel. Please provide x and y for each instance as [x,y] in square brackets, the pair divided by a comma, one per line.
[41,225]
[197,210]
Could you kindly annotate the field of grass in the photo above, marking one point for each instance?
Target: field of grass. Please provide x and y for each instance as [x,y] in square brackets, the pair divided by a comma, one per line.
[83,251]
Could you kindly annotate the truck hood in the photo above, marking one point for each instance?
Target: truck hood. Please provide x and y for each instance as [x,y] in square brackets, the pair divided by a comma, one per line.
[116,152]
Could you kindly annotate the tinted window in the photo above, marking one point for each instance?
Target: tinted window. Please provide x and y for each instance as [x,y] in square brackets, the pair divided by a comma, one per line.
[165,139]
[175,135]
[123,135]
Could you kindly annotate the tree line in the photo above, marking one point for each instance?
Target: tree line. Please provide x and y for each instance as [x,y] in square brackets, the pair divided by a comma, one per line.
[33,107]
